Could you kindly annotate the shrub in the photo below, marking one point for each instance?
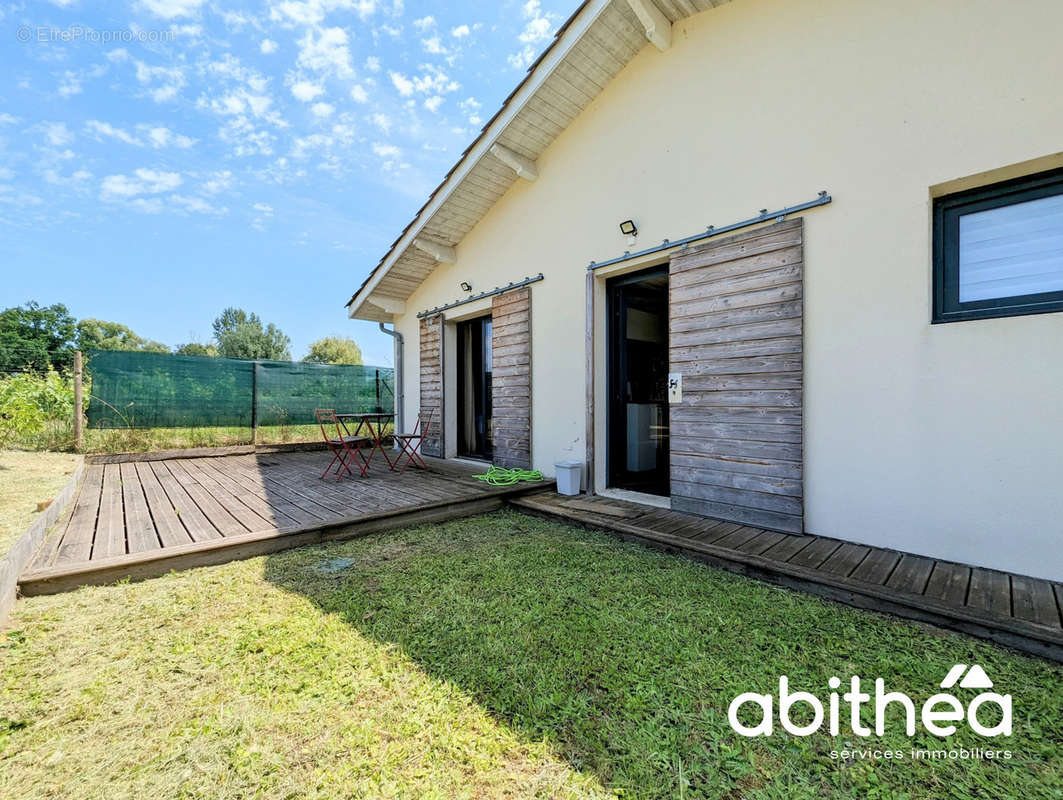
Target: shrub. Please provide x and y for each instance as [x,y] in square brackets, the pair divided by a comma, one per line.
[31,404]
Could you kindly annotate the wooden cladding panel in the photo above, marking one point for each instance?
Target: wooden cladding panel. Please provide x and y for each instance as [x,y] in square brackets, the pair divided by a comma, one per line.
[511,377]
[736,336]
[431,336]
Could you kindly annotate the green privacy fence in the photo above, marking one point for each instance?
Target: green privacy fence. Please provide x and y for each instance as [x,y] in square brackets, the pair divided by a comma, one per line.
[155,390]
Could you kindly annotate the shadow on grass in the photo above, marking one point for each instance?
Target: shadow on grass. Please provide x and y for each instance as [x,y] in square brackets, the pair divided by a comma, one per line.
[626,660]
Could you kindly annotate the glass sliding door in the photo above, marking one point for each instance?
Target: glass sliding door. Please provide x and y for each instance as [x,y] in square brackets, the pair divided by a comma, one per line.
[638,453]
[474,388]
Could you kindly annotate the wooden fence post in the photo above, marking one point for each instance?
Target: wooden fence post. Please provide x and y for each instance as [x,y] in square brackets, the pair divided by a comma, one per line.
[79,433]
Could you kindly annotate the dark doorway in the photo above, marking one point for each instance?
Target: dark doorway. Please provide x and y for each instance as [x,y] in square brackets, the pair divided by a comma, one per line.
[638,382]
[474,388]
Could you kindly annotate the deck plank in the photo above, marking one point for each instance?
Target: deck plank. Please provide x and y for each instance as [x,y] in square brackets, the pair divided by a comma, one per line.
[765,540]
[233,502]
[76,544]
[911,574]
[253,501]
[224,522]
[196,524]
[252,483]
[1034,601]
[816,553]
[110,528]
[877,567]
[948,583]
[167,524]
[788,547]
[141,535]
[845,559]
[735,539]
[990,591]
[716,532]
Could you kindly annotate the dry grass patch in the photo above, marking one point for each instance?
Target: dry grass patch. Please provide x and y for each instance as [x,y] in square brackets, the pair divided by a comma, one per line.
[26,480]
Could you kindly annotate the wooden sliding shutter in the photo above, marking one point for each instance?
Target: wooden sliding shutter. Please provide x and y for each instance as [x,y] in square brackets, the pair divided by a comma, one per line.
[511,377]
[432,383]
[735,313]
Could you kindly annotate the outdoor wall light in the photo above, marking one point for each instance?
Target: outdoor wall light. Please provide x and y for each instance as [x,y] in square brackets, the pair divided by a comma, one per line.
[466,286]
[628,228]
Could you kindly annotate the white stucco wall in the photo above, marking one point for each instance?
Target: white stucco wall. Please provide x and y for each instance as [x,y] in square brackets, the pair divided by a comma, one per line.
[943,440]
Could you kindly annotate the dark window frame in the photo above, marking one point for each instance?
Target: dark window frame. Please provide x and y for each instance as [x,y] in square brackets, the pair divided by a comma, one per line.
[947,212]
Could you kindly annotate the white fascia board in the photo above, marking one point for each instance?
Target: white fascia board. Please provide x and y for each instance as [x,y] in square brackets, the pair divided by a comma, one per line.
[553,58]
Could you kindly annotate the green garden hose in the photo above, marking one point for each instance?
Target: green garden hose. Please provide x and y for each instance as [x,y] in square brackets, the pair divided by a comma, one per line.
[500,476]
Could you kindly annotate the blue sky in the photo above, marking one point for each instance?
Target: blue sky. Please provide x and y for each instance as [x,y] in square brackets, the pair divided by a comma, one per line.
[163,159]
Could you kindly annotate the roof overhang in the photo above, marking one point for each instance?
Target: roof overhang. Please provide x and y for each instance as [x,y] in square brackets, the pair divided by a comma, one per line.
[592,46]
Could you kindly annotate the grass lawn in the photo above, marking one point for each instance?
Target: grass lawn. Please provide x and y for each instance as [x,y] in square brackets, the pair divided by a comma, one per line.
[502,656]
[27,479]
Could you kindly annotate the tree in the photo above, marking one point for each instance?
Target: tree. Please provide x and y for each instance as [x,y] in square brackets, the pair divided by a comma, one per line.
[36,337]
[242,335]
[98,334]
[334,350]
[197,349]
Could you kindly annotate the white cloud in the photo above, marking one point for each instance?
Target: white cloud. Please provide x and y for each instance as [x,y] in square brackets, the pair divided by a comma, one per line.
[433,103]
[6,174]
[70,85]
[434,81]
[102,130]
[327,53]
[159,136]
[263,208]
[460,32]
[372,64]
[382,121]
[359,94]
[245,138]
[386,150]
[306,91]
[196,205]
[171,9]
[57,134]
[267,47]
[218,182]
[8,119]
[322,110]
[402,83]
[172,80]
[143,181]
[434,46]
[537,28]
[424,23]
[312,12]
[523,58]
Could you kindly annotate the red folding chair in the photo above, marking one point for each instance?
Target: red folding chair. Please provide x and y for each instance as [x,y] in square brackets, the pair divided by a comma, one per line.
[410,443]
[345,449]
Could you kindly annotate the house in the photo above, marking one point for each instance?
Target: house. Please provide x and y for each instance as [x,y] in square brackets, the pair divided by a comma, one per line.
[793,264]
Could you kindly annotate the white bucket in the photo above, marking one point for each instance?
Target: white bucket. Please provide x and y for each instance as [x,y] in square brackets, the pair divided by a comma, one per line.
[569,474]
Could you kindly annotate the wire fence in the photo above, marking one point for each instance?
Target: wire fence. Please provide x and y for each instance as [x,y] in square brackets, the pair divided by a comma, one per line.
[155,390]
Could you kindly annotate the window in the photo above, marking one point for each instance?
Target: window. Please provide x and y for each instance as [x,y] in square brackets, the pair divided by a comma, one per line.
[998,250]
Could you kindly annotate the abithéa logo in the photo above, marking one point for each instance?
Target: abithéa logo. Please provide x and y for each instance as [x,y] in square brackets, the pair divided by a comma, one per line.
[938,714]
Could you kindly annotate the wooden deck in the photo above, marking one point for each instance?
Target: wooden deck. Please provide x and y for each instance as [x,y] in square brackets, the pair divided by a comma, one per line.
[144,518]
[1015,610]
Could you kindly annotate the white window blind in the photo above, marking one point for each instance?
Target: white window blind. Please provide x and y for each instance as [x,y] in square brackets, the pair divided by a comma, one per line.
[1012,251]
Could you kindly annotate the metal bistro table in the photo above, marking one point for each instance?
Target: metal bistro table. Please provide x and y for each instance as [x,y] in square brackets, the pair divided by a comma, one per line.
[373,426]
